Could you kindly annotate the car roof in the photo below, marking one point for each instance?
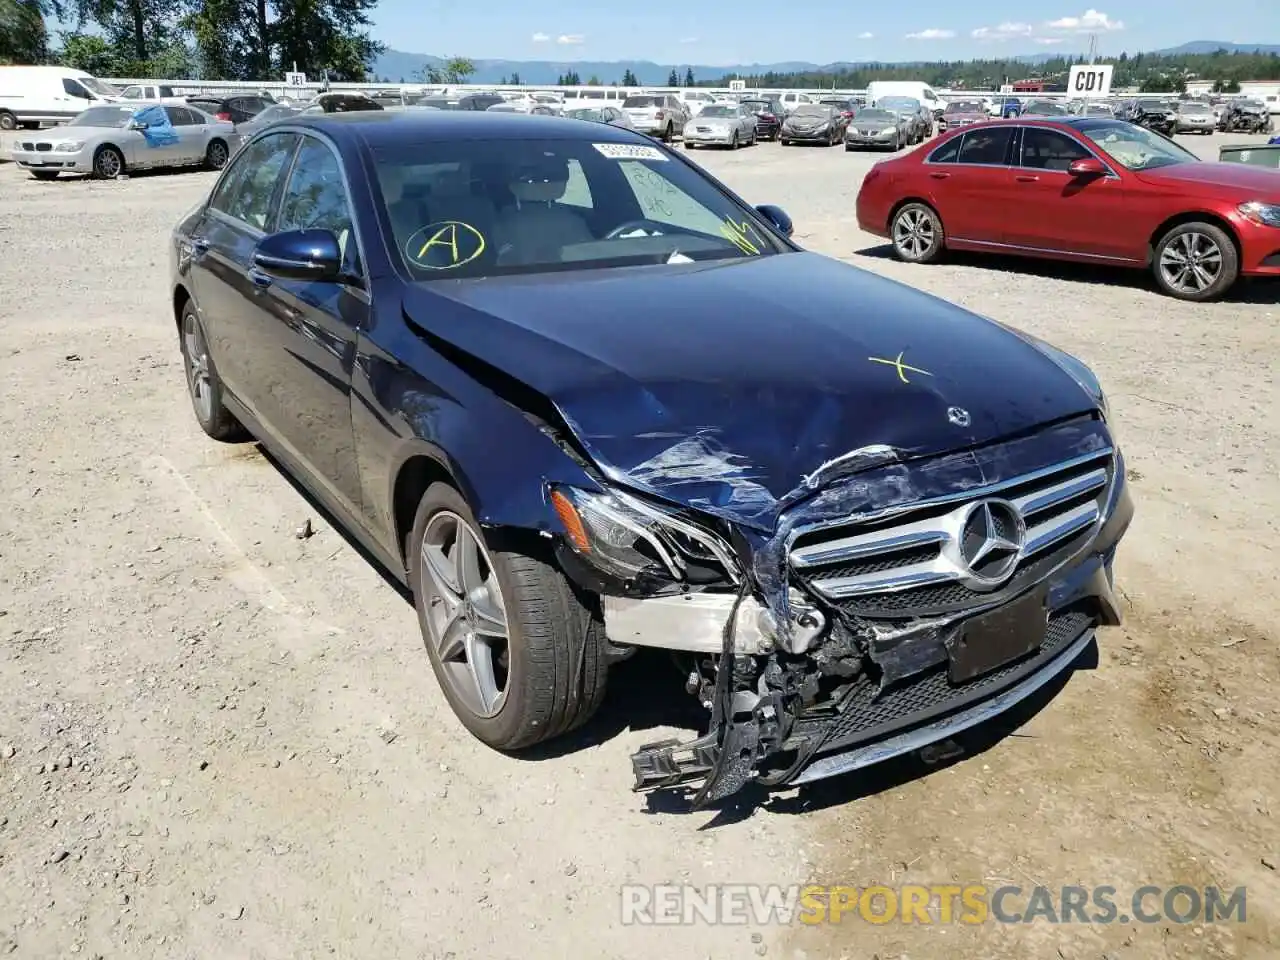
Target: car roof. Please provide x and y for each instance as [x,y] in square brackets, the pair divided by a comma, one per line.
[381,128]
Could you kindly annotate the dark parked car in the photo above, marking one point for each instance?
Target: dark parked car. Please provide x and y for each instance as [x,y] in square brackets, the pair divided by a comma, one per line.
[238,108]
[813,123]
[576,416]
[769,114]
[470,101]
[845,105]
[1155,115]
[1095,190]
[874,127]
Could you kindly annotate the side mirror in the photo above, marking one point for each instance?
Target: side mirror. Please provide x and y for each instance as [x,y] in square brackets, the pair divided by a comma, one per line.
[778,217]
[300,255]
[1087,167]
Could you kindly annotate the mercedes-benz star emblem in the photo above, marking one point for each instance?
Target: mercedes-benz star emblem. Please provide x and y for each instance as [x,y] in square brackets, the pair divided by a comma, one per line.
[959,416]
[991,539]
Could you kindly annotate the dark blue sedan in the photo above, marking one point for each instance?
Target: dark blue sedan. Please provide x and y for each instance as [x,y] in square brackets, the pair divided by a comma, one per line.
[582,399]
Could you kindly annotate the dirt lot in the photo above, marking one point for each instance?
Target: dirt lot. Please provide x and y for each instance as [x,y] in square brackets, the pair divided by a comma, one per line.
[218,740]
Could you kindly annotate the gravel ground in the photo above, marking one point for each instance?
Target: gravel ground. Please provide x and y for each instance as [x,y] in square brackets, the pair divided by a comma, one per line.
[217,739]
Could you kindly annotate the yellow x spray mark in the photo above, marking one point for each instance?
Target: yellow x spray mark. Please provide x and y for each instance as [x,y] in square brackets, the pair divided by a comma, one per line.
[736,233]
[901,367]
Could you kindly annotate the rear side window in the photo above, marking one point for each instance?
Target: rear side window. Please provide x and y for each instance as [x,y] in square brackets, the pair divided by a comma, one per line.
[988,146]
[181,117]
[246,190]
[947,152]
[166,91]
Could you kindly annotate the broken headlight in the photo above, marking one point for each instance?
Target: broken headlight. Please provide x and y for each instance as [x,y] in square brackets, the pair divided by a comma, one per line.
[630,539]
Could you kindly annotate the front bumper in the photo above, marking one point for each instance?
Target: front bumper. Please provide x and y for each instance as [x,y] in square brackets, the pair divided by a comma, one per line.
[80,161]
[903,697]
[710,137]
[886,138]
[807,136]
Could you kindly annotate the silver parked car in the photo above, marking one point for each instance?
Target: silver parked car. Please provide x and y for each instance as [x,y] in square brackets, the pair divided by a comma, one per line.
[272,114]
[721,124]
[601,114]
[873,127]
[112,139]
[1194,116]
[657,114]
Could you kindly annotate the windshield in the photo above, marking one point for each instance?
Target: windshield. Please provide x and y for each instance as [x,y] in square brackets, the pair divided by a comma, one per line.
[277,112]
[1194,108]
[758,106]
[811,110]
[963,106]
[899,103]
[876,115]
[584,113]
[641,102]
[1045,108]
[103,117]
[717,110]
[478,208]
[1153,106]
[99,87]
[1134,147]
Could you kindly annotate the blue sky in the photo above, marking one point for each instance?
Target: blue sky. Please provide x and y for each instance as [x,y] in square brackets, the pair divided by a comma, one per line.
[718,32]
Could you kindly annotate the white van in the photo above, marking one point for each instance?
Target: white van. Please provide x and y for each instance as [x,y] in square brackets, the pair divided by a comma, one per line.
[905,88]
[30,96]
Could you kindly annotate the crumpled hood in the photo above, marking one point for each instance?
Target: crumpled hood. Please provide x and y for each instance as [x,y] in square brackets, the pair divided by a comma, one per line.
[723,386]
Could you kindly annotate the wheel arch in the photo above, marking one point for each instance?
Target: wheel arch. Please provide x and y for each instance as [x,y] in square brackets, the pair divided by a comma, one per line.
[1192,216]
[181,297]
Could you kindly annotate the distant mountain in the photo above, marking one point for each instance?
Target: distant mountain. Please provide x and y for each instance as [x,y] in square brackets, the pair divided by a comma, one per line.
[396,65]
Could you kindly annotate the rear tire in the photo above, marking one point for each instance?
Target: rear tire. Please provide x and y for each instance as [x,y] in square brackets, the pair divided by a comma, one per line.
[916,233]
[8,121]
[216,155]
[552,666]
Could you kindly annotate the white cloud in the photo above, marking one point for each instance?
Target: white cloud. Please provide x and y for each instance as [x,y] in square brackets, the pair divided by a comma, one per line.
[688,39]
[1090,22]
[933,33]
[1004,31]
[570,39]
[541,37]
[1047,41]
[866,36]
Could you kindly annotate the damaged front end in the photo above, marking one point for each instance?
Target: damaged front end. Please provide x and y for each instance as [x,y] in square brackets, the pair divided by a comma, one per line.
[894,603]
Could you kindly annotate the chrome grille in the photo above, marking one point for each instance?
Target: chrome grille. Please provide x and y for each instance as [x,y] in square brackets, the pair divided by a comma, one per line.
[921,558]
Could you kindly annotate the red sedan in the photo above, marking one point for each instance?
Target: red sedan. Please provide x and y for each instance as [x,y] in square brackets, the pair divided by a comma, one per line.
[1080,188]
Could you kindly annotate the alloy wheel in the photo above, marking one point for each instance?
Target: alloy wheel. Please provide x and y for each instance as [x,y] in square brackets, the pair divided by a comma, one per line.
[466,615]
[913,233]
[1191,263]
[108,164]
[198,380]
[217,155]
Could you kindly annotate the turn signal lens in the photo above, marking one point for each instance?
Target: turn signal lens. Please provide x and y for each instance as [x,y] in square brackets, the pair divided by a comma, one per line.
[573,526]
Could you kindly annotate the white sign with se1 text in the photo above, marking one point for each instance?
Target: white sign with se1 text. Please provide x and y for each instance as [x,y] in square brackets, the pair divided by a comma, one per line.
[1090,80]
[295,79]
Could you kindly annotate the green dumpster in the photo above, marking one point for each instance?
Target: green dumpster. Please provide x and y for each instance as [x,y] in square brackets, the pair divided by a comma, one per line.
[1254,154]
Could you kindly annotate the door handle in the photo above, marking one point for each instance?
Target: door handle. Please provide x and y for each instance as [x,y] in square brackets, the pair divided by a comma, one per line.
[1026,178]
[939,176]
[260,279]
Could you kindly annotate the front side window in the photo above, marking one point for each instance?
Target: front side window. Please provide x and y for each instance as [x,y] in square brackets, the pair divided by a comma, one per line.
[1049,150]
[472,208]
[132,93]
[72,88]
[1134,147]
[988,146]
[245,191]
[315,198]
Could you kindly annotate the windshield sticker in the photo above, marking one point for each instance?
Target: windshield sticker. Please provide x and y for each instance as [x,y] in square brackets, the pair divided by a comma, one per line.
[629,151]
[444,245]
[743,236]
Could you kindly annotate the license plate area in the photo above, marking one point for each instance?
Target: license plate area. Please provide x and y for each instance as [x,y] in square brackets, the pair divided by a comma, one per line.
[990,641]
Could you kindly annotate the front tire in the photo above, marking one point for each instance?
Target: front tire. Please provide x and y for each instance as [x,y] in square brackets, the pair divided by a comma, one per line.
[108,163]
[203,383]
[916,231]
[733,141]
[8,121]
[519,655]
[1195,261]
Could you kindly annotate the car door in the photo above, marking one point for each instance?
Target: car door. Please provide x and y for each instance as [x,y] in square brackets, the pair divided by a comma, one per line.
[1059,212]
[969,178]
[221,247]
[306,341]
[191,134]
